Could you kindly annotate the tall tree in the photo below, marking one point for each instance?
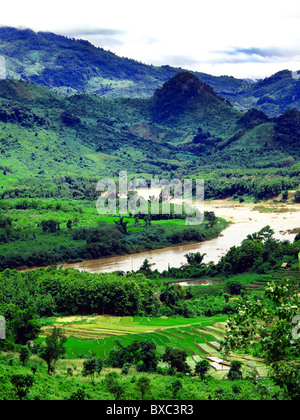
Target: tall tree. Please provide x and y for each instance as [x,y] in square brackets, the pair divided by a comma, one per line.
[202,368]
[211,218]
[268,326]
[54,349]
[24,355]
[122,225]
[143,384]
[22,384]
[176,359]
[91,367]
[25,324]
[235,371]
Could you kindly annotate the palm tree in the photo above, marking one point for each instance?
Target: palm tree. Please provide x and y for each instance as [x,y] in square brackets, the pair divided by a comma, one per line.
[122,225]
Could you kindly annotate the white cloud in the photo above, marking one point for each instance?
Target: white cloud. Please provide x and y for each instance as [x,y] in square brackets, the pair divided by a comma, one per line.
[191,31]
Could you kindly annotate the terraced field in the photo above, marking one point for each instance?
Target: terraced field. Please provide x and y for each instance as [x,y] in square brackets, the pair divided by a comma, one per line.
[199,337]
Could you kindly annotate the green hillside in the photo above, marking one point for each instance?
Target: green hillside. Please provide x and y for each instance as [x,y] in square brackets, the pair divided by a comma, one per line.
[184,129]
[71,66]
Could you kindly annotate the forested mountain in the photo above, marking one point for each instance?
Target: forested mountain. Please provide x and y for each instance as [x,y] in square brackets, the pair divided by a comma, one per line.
[73,66]
[184,129]
[71,113]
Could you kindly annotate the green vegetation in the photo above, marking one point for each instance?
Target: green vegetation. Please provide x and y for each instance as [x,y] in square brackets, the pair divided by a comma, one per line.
[156,328]
[56,146]
[71,66]
[70,384]
[74,335]
[42,232]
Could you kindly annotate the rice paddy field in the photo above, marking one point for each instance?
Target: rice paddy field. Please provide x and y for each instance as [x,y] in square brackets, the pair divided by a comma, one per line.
[199,337]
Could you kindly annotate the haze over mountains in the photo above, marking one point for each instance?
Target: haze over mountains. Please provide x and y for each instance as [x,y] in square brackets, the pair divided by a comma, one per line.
[73,66]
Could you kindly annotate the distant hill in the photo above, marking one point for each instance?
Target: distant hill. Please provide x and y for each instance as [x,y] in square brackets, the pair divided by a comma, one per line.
[70,66]
[272,95]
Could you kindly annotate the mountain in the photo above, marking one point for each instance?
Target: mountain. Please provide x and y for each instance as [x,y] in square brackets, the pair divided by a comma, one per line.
[74,66]
[52,144]
[46,133]
[189,89]
[273,95]
[71,66]
[187,103]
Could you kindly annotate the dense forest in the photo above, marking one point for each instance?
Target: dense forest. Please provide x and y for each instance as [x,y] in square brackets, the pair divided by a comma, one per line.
[29,299]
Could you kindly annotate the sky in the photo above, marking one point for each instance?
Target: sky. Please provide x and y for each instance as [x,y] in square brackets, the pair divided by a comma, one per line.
[252,39]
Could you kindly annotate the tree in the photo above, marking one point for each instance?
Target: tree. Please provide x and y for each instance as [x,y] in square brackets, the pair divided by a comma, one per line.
[121,225]
[113,385]
[142,354]
[147,220]
[50,225]
[251,250]
[285,195]
[176,359]
[202,367]
[26,325]
[267,328]
[24,355]
[175,387]
[136,221]
[91,367]
[145,267]
[195,258]
[234,288]
[146,358]
[171,295]
[143,384]
[22,384]
[210,217]
[125,369]
[235,371]
[54,349]
[289,161]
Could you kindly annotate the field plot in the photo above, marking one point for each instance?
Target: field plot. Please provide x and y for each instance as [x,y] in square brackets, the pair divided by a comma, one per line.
[199,337]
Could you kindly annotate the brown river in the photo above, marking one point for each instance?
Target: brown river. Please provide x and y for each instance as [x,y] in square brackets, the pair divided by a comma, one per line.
[244,218]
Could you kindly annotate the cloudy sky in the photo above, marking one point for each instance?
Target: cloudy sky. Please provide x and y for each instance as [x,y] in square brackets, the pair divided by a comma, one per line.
[251,39]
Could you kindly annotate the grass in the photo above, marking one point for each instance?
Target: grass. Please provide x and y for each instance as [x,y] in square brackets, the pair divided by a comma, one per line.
[96,335]
[277,209]
[69,379]
[252,281]
[100,325]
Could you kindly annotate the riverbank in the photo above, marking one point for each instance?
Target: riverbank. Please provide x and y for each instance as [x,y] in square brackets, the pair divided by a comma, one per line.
[39,233]
[242,218]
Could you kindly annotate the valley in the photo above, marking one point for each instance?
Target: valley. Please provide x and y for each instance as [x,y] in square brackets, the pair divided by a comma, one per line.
[243,219]
[134,306]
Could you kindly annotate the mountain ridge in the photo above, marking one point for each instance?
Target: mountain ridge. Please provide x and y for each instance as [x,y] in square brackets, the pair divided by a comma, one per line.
[46,135]
[71,66]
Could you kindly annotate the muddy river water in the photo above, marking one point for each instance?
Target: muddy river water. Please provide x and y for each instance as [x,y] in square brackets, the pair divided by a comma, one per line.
[244,218]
